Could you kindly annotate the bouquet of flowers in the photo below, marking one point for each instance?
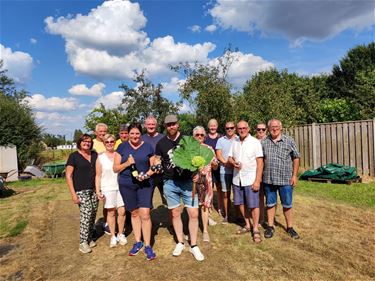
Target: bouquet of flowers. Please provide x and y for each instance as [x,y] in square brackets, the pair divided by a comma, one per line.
[192,156]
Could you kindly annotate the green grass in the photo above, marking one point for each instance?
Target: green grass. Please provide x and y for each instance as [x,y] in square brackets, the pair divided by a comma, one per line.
[18,228]
[23,197]
[356,194]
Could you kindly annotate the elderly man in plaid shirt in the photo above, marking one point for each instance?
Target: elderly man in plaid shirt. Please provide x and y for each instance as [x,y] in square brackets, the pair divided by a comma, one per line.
[281,162]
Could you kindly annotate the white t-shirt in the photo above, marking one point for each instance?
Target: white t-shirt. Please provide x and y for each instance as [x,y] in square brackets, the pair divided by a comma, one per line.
[108,179]
[245,153]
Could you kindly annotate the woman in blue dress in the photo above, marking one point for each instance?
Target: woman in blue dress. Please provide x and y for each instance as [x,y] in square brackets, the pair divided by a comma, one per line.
[133,161]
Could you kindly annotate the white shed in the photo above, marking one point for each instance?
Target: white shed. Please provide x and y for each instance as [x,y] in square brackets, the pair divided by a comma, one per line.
[8,163]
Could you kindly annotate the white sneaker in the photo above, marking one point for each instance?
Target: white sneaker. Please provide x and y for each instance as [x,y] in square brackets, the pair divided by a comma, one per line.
[197,253]
[122,239]
[211,221]
[85,248]
[113,242]
[178,250]
[92,244]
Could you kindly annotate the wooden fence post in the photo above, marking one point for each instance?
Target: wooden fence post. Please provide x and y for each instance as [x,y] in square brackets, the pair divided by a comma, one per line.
[313,144]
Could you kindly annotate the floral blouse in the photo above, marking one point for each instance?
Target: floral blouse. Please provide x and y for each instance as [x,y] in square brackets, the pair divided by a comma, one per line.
[204,184]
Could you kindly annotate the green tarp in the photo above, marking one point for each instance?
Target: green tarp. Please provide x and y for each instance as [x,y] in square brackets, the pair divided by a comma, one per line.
[332,171]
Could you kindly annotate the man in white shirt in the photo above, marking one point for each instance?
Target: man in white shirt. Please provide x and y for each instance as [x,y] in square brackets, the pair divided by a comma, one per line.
[246,155]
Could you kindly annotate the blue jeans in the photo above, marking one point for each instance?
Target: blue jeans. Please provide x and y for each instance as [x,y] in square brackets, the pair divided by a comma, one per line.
[175,190]
[285,193]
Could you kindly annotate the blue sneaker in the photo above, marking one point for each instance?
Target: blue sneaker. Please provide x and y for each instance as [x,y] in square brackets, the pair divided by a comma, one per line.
[149,253]
[136,248]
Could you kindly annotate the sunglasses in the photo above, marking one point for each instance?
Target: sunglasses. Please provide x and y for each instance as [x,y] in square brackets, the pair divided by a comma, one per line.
[110,142]
[261,129]
[199,135]
[229,128]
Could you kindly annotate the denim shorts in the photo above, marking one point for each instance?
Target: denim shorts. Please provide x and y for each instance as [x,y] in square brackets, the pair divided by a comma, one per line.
[175,190]
[285,193]
[245,195]
[226,182]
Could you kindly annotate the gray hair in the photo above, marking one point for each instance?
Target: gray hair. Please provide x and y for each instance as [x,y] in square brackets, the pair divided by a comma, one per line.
[199,128]
[275,120]
[151,117]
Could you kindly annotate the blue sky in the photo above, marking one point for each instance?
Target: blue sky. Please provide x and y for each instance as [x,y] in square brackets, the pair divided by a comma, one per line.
[72,55]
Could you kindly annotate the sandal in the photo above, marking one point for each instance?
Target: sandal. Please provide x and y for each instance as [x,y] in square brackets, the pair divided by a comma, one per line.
[243,230]
[256,237]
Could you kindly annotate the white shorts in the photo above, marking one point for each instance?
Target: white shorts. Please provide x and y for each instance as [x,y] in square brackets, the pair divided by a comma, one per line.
[113,199]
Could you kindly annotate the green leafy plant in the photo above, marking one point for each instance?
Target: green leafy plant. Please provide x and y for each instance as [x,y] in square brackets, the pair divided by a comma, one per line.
[191,155]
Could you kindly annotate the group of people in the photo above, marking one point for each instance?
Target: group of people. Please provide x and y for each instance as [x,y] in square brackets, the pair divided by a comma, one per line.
[123,173]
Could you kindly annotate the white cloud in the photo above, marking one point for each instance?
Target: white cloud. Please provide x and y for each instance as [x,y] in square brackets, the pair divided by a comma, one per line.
[41,103]
[211,28]
[244,66]
[18,64]
[111,100]
[297,20]
[53,117]
[114,27]
[60,123]
[109,43]
[171,88]
[33,41]
[185,108]
[195,28]
[96,90]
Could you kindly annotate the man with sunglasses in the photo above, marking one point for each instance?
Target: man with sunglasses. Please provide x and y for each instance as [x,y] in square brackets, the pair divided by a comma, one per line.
[261,131]
[246,156]
[178,186]
[261,134]
[226,168]
[281,163]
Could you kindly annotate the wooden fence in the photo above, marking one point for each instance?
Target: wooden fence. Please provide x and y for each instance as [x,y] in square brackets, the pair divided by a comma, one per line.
[348,143]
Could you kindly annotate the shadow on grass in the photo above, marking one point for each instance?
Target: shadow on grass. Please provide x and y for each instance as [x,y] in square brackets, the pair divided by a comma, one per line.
[6,192]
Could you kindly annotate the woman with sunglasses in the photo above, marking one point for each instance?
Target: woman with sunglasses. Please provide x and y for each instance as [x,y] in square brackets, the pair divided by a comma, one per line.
[133,161]
[107,189]
[205,191]
[80,177]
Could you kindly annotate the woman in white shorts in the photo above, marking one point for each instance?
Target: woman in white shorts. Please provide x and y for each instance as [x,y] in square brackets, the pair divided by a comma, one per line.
[107,189]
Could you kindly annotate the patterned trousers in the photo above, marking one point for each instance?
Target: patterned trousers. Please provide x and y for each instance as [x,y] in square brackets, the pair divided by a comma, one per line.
[87,209]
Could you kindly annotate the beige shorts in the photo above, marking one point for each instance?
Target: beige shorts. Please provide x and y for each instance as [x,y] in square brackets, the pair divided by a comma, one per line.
[113,199]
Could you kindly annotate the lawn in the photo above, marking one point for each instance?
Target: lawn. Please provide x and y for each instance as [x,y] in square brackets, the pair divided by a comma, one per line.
[335,222]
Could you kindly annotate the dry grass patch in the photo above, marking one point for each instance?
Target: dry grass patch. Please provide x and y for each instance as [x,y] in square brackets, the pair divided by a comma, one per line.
[337,243]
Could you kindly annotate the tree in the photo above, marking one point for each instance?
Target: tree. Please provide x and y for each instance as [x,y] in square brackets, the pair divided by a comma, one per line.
[113,118]
[18,126]
[269,94]
[146,99]
[77,134]
[53,140]
[353,80]
[207,89]
[187,123]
